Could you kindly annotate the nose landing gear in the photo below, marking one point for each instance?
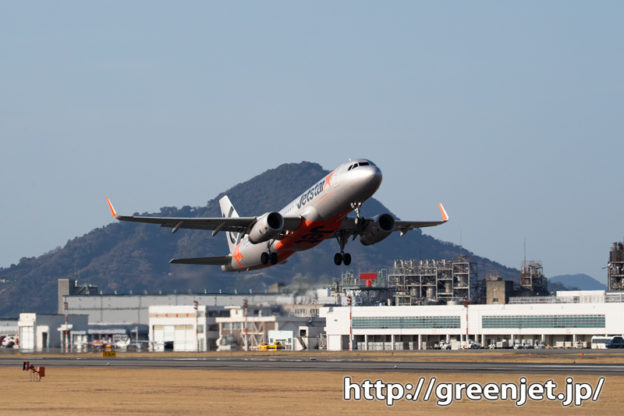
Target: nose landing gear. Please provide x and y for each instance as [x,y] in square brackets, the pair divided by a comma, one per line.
[340,258]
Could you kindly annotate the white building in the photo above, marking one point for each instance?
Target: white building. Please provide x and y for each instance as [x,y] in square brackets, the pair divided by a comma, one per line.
[38,332]
[566,320]
[246,329]
[181,328]
[304,337]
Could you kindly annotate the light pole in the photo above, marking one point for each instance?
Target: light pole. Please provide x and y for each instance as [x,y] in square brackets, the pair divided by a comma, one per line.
[246,339]
[196,307]
[66,306]
[350,303]
[466,306]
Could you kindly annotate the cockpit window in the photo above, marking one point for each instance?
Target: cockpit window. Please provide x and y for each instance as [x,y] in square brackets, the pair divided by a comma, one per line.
[364,163]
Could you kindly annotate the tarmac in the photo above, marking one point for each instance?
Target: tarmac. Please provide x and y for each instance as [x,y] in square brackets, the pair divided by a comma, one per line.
[320,363]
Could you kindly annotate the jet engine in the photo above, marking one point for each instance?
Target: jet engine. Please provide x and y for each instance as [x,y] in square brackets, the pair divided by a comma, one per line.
[267,226]
[377,229]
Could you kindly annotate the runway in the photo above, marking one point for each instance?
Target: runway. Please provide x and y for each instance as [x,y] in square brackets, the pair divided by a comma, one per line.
[269,363]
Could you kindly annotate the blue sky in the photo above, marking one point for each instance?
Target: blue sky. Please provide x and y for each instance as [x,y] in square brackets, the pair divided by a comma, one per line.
[509,113]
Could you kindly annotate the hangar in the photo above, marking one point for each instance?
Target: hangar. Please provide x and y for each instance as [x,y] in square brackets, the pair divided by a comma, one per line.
[181,328]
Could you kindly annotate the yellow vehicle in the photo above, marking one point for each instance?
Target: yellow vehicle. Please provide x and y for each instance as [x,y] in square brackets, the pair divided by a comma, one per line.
[108,352]
[271,347]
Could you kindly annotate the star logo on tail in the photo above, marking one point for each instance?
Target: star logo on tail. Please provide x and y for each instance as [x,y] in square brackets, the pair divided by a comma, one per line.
[238,256]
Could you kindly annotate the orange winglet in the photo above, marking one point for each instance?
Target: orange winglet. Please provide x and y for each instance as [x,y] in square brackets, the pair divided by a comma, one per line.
[112,209]
[443,211]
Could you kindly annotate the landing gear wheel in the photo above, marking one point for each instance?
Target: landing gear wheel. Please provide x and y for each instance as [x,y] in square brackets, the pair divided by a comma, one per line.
[264,258]
[273,258]
[346,259]
[338,259]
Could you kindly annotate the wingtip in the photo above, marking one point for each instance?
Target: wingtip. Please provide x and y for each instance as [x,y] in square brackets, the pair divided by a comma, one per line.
[112,209]
[443,211]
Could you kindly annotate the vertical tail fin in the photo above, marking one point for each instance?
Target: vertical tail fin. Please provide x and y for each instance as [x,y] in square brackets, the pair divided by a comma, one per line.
[228,211]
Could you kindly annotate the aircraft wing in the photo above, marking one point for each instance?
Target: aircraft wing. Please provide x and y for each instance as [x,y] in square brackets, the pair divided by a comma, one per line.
[216,224]
[352,228]
[405,226]
[213,261]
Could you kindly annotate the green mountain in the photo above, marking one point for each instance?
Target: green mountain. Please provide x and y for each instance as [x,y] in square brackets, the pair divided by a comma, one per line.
[134,257]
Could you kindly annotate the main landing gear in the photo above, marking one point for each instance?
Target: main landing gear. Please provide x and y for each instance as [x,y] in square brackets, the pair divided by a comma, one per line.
[342,257]
[269,256]
[265,258]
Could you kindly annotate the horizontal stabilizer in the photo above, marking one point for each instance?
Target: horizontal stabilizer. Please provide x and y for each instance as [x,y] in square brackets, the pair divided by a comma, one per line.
[212,261]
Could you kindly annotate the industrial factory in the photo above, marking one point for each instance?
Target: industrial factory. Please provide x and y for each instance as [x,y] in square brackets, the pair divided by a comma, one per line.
[413,305]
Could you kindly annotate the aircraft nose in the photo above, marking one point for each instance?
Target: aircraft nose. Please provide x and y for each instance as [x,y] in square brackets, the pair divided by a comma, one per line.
[373,175]
[377,175]
[368,178]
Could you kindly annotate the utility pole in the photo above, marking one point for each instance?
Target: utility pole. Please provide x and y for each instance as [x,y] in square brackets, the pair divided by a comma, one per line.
[246,339]
[196,307]
[350,304]
[466,306]
[66,307]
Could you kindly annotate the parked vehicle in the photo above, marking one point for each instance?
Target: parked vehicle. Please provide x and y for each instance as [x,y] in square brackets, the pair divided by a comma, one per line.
[10,342]
[616,342]
[599,342]
[502,344]
[271,347]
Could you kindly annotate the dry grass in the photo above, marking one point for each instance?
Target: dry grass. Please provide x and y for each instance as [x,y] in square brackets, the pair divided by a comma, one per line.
[106,391]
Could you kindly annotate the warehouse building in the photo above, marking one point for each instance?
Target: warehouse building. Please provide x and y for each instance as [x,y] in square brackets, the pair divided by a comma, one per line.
[43,332]
[566,320]
[182,328]
[133,309]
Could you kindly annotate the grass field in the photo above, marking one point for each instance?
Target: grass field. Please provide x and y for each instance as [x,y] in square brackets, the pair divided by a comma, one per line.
[79,391]
[106,391]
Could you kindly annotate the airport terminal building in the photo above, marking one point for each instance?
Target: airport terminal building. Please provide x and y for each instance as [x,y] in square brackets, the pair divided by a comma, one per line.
[569,319]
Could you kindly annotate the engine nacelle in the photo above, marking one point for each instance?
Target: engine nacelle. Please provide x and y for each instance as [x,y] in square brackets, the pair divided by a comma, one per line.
[268,226]
[379,228]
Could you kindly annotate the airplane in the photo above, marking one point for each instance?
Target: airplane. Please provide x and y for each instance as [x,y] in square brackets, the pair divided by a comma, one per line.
[317,214]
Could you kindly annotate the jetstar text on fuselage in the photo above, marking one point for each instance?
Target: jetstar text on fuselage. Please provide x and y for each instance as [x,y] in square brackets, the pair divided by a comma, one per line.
[311,193]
